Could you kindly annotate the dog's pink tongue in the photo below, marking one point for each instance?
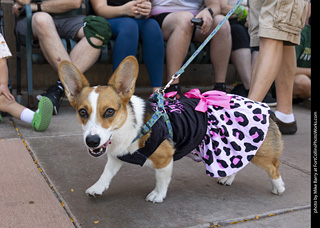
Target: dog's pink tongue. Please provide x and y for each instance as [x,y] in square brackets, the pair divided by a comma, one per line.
[106,144]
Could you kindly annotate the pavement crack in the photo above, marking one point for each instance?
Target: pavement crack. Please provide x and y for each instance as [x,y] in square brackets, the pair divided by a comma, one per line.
[295,167]
[231,222]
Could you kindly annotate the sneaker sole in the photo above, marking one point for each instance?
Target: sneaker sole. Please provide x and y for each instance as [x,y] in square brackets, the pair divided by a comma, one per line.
[46,106]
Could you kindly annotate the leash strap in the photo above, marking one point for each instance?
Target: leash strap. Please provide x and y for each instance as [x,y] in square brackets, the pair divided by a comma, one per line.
[160,112]
[179,72]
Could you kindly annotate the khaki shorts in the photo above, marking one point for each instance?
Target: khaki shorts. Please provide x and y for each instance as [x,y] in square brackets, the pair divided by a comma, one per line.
[277,19]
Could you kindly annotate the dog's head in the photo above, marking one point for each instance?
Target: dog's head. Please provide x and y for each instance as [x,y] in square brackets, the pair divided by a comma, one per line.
[101,109]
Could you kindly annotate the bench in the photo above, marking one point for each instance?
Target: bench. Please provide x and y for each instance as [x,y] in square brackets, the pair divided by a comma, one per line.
[33,55]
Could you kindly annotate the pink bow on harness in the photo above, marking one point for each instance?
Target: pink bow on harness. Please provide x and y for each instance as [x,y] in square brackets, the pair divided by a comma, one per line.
[213,97]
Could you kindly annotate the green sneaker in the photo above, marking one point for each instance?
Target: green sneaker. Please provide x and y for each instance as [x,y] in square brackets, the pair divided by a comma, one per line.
[0,118]
[42,117]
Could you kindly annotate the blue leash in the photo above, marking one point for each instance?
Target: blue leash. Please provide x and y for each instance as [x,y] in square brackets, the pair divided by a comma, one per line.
[161,112]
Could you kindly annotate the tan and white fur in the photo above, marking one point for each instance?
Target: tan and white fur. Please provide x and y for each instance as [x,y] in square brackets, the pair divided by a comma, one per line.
[111,117]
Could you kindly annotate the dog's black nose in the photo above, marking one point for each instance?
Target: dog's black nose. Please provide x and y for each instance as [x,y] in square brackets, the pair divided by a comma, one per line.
[93,141]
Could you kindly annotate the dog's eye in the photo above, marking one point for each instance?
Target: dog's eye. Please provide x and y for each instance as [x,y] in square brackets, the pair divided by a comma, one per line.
[109,113]
[83,113]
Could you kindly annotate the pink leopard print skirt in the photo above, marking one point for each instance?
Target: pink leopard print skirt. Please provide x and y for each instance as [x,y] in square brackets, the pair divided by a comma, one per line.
[233,136]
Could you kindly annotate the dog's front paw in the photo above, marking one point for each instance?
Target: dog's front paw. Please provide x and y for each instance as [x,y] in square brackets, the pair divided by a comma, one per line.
[226,180]
[155,197]
[96,190]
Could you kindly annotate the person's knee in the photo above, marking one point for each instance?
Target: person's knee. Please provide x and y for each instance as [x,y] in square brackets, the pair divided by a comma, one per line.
[180,21]
[152,26]
[184,21]
[40,22]
[128,27]
[302,86]
[225,29]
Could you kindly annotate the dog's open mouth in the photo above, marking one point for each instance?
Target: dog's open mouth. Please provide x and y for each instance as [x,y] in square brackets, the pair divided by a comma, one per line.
[97,152]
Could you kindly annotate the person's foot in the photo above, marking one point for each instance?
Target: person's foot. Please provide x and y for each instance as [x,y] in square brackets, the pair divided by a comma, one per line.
[285,128]
[0,118]
[220,87]
[270,101]
[42,117]
[240,90]
[55,94]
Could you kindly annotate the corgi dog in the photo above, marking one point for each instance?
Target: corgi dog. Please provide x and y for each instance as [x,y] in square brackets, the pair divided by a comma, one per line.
[111,117]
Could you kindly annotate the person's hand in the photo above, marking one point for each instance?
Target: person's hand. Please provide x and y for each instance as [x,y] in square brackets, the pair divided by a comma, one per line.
[16,8]
[131,9]
[144,7]
[138,7]
[5,92]
[207,21]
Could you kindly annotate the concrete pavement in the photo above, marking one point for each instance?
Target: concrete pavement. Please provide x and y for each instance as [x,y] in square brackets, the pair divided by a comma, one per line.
[58,162]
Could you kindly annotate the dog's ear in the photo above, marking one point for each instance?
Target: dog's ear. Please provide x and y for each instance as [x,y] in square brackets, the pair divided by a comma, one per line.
[124,78]
[72,79]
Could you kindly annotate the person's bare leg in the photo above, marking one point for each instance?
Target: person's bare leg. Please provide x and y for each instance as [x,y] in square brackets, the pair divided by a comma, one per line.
[266,68]
[45,31]
[285,79]
[11,107]
[220,48]
[177,31]
[84,61]
[254,55]
[241,59]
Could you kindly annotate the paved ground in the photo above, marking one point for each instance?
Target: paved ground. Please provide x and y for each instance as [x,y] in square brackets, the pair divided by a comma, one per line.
[44,180]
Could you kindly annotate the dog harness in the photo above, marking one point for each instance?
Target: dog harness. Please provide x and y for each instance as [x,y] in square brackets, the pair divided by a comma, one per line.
[224,130]
[188,127]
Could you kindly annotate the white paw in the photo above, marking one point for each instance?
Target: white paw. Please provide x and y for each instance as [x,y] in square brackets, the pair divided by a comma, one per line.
[155,197]
[226,180]
[278,186]
[96,190]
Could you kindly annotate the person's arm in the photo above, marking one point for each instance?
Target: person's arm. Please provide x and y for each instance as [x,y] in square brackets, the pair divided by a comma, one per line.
[305,71]
[4,80]
[214,5]
[53,6]
[225,8]
[207,18]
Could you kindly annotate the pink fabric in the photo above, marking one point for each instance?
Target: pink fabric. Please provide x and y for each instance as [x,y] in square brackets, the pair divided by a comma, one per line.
[213,97]
[170,94]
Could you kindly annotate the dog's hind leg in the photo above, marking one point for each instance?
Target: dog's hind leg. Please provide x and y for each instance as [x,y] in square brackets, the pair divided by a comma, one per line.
[163,178]
[267,158]
[271,166]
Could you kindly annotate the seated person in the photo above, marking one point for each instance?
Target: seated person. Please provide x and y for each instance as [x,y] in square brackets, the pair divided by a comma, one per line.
[174,19]
[130,23]
[302,78]
[40,119]
[52,20]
